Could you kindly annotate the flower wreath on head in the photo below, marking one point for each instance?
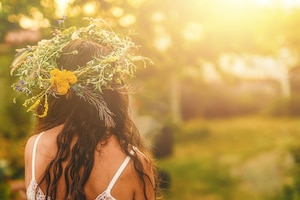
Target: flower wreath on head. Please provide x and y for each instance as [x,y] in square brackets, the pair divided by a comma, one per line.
[39,74]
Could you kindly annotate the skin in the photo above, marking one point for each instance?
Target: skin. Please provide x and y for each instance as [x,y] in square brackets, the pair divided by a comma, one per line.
[108,158]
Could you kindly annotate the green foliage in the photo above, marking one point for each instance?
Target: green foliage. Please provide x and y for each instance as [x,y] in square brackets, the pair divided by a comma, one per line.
[193,179]
[4,191]
[15,124]
[192,131]
[14,121]
[291,191]
[12,11]
[232,159]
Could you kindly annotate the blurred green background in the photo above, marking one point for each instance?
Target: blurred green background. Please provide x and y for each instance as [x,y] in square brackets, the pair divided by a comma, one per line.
[225,84]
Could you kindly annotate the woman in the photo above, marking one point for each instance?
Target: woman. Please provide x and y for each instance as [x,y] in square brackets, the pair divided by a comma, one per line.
[85,146]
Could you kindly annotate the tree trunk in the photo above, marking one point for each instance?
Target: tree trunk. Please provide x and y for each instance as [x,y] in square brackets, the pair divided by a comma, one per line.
[175,99]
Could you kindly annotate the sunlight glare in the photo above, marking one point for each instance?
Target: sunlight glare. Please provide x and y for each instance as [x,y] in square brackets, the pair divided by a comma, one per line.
[127,20]
[264,2]
[75,11]
[162,39]
[36,14]
[33,24]
[37,21]
[26,22]
[192,31]
[117,11]
[135,3]
[291,3]
[162,42]
[89,8]
[158,16]
[283,3]
[210,73]
[61,7]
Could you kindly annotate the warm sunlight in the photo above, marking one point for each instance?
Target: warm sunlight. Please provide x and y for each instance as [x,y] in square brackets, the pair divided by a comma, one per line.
[89,8]
[283,3]
[215,97]
[37,21]
[61,7]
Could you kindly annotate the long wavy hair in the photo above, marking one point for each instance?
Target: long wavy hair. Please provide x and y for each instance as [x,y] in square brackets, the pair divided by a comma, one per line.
[81,120]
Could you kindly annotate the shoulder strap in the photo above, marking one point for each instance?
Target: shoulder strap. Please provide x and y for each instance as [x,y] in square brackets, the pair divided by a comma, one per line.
[118,173]
[34,154]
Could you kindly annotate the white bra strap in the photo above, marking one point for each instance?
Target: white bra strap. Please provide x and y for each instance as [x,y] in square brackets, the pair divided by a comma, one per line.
[34,154]
[118,173]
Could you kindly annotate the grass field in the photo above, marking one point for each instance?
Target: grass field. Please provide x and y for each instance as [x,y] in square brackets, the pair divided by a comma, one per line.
[246,158]
[232,159]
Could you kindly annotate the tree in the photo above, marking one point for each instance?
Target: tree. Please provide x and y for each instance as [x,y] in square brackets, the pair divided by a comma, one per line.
[180,35]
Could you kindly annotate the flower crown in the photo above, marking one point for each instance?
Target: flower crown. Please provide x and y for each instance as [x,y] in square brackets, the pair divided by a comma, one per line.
[39,74]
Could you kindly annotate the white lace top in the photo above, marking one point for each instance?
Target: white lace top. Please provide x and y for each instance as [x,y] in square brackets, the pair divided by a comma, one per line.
[35,193]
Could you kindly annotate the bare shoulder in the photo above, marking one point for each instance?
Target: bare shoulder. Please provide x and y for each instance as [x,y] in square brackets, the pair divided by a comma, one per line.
[29,145]
[28,158]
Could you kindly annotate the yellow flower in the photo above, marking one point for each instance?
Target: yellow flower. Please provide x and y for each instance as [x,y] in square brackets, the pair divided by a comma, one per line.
[71,77]
[46,107]
[61,80]
[33,106]
[54,72]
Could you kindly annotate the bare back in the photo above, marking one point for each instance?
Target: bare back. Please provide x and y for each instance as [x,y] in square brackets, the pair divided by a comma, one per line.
[108,158]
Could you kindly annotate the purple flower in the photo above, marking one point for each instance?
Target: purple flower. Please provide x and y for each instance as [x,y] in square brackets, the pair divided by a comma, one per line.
[61,21]
[19,87]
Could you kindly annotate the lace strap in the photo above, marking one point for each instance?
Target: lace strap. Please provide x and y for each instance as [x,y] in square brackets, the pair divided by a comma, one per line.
[34,154]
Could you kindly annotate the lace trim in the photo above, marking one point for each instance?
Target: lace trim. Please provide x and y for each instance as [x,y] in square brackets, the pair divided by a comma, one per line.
[105,196]
[35,193]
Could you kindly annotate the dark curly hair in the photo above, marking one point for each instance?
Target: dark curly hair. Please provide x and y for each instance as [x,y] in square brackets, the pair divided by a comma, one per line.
[81,120]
